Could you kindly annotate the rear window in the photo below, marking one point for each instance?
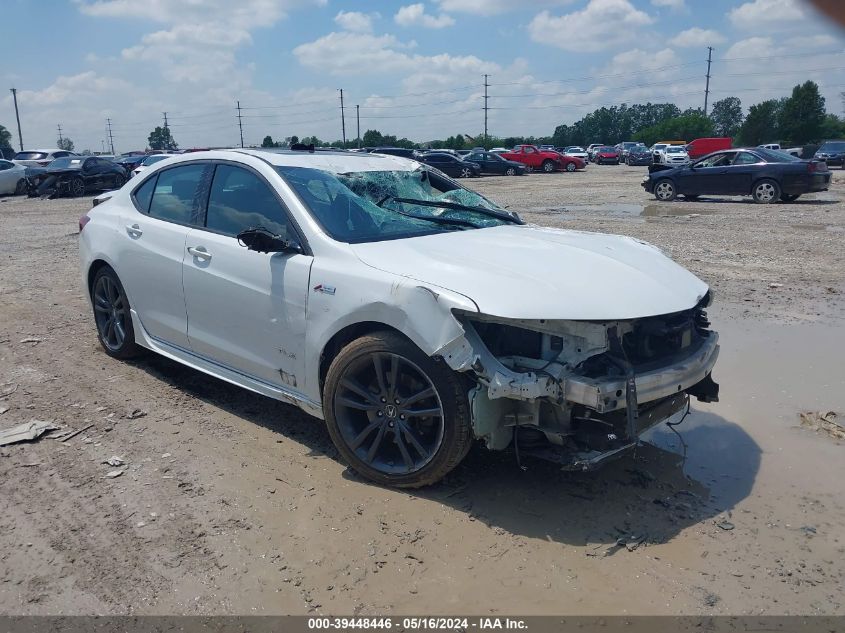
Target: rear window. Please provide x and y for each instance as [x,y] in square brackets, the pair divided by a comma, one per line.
[175,191]
[30,155]
[838,146]
[66,161]
[776,156]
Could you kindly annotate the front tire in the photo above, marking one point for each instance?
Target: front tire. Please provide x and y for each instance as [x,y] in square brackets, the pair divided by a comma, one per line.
[766,192]
[397,417]
[510,171]
[548,166]
[664,190]
[466,172]
[112,315]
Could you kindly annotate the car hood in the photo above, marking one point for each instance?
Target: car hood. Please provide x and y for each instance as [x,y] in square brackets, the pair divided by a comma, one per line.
[530,272]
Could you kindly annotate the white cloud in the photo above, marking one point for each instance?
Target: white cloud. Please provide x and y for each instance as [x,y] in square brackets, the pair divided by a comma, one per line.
[355,21]
[697,36]
[600,25]
[751,49]
[675,5]
[753,15]
[415,15]
[493,7]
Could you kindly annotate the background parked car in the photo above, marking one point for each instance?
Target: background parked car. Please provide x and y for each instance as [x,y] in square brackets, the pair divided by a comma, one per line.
[451,165]
[767,175]
[592,148]
[703,146]
[130,162]
[499,150]
[674,155]
[606,155]
[639,155]
[534,158]
[404,152]
[76,175]
[12,178]
[623,148]
[491,163]
[40,157]
[577,151]
[152,159]
[832,152]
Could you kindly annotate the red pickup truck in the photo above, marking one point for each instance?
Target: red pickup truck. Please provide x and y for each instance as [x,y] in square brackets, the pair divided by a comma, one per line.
[545,160]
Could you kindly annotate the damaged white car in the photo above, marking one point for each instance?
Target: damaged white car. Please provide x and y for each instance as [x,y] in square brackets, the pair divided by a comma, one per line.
[413,315]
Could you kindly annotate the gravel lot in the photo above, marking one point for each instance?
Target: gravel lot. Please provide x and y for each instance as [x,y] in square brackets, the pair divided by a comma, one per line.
[233,503]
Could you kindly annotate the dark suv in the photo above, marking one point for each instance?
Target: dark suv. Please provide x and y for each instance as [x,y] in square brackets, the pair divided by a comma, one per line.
[832,152]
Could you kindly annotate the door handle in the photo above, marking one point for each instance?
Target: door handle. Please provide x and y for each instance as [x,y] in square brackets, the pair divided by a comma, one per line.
[199,252]
[134,230]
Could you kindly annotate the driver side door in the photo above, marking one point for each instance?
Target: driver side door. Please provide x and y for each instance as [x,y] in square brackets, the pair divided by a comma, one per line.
[246,310]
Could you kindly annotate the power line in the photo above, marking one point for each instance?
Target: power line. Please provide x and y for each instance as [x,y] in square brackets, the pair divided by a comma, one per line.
[17,116]
[240,123]
[342,117]
[707,85]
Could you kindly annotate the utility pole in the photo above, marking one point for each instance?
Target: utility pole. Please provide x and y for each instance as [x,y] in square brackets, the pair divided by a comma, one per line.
[111,138]
[342,118]
[707,87]
[240,123]
[17,116]
[358,121]
[485,106]
[60,134]
[165,120]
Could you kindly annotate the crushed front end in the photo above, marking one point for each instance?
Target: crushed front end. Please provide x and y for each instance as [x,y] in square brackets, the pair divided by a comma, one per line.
[580,392]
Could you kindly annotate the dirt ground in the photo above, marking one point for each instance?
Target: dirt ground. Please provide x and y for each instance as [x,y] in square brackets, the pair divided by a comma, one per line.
[237,504]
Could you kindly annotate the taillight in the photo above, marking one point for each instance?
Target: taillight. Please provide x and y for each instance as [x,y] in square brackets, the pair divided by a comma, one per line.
[814,166]
[83,220]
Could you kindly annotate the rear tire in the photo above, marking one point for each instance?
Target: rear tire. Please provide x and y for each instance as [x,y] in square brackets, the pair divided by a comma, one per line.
[466,172]
[20,187]
[119,181]
[112,315]
[766,191]
[664,190]
[372,388]
[77,187]
[570,167]
[510,171]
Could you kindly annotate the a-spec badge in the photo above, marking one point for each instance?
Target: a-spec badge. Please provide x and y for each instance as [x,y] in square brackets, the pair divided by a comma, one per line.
[329,290]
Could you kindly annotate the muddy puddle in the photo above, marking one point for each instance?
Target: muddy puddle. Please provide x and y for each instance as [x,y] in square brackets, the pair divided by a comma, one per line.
[624,209]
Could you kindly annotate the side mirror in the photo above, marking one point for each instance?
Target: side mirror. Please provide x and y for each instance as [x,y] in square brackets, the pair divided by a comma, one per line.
[263,241]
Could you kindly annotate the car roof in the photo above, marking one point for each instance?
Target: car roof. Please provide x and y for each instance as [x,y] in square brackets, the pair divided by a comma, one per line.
[336,162]
[46,151]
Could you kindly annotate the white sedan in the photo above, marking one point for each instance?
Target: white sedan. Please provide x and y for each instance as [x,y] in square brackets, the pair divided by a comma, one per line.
[410,313]
[12,178]
[152,159]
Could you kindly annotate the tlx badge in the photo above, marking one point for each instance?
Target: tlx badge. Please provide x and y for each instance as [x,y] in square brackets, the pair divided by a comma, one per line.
[329,290]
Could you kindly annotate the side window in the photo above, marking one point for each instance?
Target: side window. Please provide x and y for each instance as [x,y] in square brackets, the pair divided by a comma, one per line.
[5,165]
[241,200]
[174,193]
[746,158]
[144,194]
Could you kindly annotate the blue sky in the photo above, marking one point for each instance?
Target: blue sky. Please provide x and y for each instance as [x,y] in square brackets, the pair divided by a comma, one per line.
[415,68]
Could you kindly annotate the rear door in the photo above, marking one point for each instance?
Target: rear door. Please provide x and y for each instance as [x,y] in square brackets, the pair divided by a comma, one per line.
[246,310]
[153,236]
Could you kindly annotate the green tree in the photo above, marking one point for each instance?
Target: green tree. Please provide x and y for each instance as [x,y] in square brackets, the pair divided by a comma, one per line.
[690,125]
[268,142]
[803,114]
[5,137]
[727,116]
[160,138]
[832,127]
[761,124]
[65,143]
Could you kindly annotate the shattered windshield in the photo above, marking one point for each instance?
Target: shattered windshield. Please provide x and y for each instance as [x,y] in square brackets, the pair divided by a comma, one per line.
[371,206]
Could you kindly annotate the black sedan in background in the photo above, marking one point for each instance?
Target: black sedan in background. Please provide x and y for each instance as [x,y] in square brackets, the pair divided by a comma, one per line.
[767,175]
[130,162]
[494,164]
[639,155]
[76,175]
[832,152]
[451,165]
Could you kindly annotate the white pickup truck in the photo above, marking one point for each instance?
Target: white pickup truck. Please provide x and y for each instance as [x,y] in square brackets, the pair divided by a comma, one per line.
[795,151]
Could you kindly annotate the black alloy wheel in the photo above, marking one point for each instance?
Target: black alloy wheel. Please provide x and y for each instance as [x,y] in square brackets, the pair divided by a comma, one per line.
[111,314]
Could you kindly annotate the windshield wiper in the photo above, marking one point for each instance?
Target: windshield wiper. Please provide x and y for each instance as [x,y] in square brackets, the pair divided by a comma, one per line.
[507,217]
[438,219]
